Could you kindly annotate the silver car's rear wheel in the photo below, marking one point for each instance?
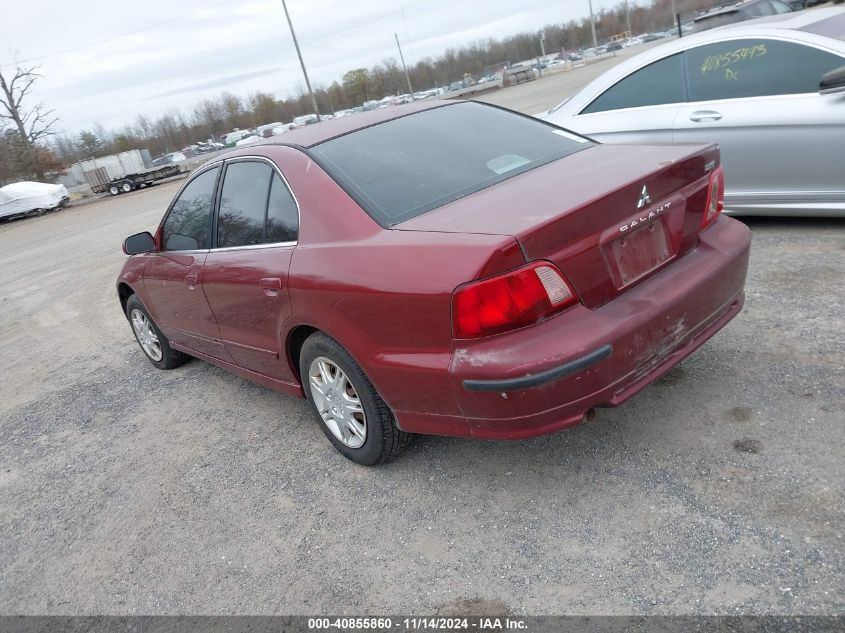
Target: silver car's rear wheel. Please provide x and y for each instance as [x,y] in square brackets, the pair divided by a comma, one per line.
[147,337]
[337,402]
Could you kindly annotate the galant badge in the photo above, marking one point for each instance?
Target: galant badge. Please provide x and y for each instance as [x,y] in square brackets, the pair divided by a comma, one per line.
[644,198]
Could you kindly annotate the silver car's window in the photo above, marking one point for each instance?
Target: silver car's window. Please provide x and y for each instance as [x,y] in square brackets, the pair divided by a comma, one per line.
[657,83]
[187,225]
[756,68]
[780,7]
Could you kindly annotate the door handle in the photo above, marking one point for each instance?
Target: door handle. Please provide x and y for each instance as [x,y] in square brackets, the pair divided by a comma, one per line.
[705,115]
[191,279]
[271,286]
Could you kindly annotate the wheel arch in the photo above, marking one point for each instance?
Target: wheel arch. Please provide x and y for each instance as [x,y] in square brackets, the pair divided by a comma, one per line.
[124,291]
[295,340]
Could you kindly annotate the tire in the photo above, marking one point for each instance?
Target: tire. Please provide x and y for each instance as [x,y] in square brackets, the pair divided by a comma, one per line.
[126,186]
[167,358]
[382,440]
[113,190]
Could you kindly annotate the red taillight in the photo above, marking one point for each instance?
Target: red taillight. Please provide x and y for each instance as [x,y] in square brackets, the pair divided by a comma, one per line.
[715,197]
[521,297]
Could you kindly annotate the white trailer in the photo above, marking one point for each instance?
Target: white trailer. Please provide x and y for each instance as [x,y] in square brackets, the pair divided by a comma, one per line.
[121,173]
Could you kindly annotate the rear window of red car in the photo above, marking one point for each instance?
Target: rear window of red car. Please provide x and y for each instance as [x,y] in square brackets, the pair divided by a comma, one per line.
[407,166]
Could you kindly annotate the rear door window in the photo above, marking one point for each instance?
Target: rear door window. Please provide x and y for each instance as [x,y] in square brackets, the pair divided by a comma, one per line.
[188,224]
[658,83]
[282,223]
[756,68]
[256,207]
[243,204]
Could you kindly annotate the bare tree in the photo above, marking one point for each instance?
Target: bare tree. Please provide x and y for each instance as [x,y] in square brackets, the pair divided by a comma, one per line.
[33,123]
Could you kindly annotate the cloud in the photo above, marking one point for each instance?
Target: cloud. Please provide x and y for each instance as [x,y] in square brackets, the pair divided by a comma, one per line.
[220,82]
[106,65]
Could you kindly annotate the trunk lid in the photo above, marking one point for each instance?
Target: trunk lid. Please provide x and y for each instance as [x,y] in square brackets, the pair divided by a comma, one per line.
[608,216]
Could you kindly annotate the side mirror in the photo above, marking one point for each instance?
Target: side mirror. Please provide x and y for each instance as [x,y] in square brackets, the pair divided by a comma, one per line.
[139,243]
[833,82]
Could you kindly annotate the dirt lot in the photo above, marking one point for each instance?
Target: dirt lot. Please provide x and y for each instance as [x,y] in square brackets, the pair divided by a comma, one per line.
[128,490]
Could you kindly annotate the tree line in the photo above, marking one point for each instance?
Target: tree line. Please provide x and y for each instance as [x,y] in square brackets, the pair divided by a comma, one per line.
[32,152]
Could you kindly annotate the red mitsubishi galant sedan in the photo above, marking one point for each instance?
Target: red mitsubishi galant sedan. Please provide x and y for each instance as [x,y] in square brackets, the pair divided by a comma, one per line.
[450,268]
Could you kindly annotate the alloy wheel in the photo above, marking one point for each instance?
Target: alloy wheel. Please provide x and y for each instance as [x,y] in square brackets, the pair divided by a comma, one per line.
[147,336]
[337,402]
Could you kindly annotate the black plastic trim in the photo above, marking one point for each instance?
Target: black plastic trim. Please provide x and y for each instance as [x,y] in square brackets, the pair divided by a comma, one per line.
[535,380]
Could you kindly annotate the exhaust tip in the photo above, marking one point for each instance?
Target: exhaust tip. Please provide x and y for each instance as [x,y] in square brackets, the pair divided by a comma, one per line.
[590,415]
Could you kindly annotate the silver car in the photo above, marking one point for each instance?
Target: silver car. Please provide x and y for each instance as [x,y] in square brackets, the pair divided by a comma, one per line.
[757,89]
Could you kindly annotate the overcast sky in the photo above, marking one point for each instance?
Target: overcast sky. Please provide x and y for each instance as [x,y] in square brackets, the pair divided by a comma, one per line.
[106,61]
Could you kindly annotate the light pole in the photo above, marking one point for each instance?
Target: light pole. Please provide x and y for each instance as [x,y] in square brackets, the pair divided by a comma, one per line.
[628,18]
[404,67]
[593,25]
[676,18]
[301,63]
[542,53]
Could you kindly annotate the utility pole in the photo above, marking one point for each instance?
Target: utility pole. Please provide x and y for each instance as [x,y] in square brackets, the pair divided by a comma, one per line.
[542,54]
[301,63]
[593,25]
[628,17]
[404,67]
[676,18]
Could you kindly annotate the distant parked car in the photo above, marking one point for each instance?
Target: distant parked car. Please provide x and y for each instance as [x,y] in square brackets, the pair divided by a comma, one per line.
[205,147]
[169,159]
[248,140]
[266,130]
[305,119]
[22,198]
[233,137]
[739,12]
[771,92]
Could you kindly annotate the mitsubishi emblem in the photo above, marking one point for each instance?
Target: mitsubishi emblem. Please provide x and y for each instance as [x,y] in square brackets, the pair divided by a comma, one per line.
[644,198]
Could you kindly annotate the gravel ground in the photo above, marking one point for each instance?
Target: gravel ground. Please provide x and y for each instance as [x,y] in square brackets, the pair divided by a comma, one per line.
[126,490]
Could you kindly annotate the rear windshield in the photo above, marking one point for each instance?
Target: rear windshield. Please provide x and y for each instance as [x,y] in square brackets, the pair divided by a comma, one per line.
[405,167]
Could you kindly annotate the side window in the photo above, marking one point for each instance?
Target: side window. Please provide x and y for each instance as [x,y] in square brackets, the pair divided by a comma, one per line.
[657,83]
[243,204]
[760,9]
[780,7]
[282,216]
[756,68]
[188,223]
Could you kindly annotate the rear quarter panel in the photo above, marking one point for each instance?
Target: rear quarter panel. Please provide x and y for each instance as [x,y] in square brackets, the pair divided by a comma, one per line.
[384,295]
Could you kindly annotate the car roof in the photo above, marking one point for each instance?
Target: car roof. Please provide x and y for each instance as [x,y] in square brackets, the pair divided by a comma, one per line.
[823,27]
[812,21]
[797,20]
[310,135]
[727,8]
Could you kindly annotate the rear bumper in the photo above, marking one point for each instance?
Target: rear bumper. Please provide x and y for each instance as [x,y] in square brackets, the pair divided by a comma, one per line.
[545,377]
[542,378]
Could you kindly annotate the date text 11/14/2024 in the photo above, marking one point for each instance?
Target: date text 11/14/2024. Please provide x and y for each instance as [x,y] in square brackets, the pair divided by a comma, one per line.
[418,624]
